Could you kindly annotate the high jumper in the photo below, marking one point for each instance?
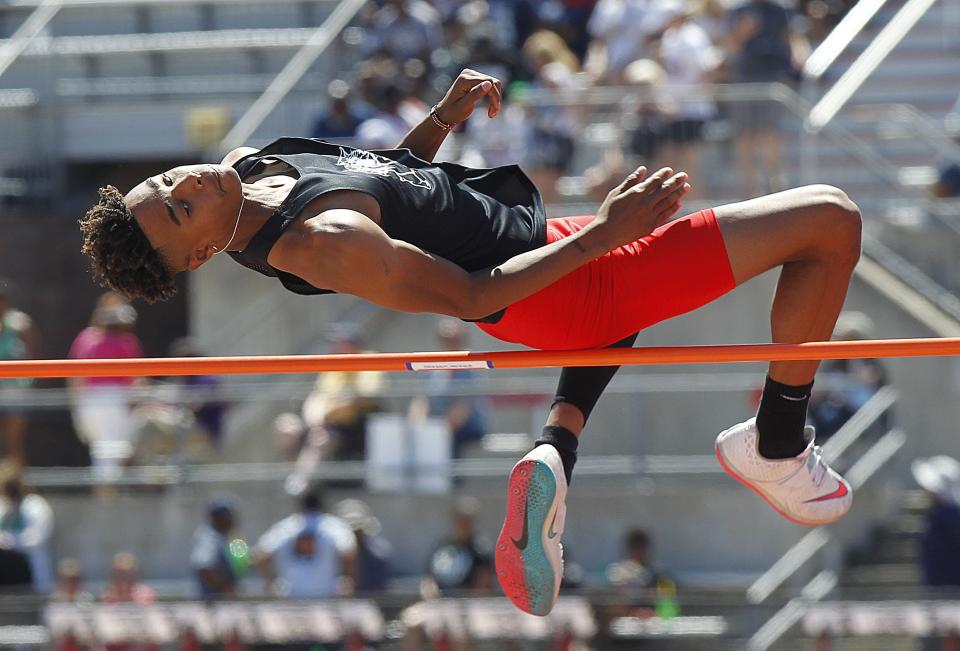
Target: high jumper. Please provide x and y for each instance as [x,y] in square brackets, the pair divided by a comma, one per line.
[409,234]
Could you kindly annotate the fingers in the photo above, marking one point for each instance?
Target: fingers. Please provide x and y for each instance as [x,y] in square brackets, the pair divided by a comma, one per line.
[496,99]
[480,90]
[635,177]
[655,180]
[671,197]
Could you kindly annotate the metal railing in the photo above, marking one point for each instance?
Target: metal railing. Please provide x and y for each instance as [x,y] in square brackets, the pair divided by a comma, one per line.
[841,37]
[28,30]
[794,558]
[834,99]
[813,542]
[284,82]
[824,582]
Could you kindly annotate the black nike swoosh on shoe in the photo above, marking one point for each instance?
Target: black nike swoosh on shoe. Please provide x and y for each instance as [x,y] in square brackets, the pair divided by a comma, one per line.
[521,544]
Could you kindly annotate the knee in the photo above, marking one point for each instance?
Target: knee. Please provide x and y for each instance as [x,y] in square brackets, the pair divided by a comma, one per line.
[839,222]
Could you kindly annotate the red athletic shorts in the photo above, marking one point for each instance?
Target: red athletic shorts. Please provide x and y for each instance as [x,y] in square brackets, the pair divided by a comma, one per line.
[679,267]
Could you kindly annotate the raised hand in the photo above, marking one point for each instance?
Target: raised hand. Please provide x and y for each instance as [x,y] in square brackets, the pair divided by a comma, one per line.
[640,203]
[468,89]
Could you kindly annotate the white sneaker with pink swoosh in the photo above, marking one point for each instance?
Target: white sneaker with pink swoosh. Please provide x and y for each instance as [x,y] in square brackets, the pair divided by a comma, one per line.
[803,489]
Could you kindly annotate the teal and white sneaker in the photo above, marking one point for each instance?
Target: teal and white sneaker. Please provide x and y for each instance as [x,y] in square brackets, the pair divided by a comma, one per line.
[529,556]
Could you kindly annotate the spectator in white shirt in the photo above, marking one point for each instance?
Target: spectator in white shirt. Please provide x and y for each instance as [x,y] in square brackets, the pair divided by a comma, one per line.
[26,522]
[689,60]
[308,555]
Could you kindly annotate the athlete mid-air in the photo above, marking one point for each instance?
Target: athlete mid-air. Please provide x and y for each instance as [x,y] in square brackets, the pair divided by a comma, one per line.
[397,229]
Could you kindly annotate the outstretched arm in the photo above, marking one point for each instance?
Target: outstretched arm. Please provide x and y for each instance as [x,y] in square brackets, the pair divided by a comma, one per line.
[345,251]
[424,140]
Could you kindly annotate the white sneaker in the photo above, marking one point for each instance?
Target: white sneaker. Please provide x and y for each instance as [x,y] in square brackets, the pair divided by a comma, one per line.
[529,556]
[804,489]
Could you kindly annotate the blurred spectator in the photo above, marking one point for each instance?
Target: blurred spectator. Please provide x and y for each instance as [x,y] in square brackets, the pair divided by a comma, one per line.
[688,59]
[763,48]
[336,411]
[577,14]
[621,31]
[852,382]
[642,590]
[101,406]
[503,141]
[940,541]
[465,415]
[18,340]
[634,571]
[552,143]
[340,119]
[374,552]
[396,113]
[947,185]
[308,555]
[212,559]
[70,583]
[183,422]
[198,395]
[26,522]
[405,29]
[124,585]
[463,562]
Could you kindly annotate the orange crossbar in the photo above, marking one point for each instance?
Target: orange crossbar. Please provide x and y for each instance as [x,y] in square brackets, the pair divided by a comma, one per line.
[501,359]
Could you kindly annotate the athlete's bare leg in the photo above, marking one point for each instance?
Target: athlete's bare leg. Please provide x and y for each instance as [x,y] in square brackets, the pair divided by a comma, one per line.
[814,233]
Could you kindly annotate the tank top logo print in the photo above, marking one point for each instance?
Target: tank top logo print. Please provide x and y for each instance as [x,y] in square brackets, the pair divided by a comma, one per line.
[357,160]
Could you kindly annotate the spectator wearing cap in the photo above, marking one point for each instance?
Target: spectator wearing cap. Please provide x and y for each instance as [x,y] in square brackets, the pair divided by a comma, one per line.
[464,561]
[340,119]
[940,542]
[101,406]
[308,555]
[26,522]
[18,340]
[210,558]
[374,552]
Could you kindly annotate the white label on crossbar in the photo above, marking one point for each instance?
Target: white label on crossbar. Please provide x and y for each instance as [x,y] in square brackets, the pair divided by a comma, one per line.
[448,366]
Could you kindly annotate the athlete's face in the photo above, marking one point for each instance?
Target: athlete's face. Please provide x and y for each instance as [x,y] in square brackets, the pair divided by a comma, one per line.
[188,213]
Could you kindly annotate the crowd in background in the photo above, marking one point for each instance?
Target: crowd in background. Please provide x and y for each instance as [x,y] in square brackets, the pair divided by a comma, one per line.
[670,50]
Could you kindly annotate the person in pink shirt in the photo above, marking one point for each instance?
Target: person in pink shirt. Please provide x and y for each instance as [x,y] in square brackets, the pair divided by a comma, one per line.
[101,406]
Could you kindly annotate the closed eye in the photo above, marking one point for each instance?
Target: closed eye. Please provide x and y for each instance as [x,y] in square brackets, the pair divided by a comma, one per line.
[186,208]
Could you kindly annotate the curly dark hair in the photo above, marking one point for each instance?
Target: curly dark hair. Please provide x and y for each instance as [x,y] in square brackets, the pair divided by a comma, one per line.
[121,256]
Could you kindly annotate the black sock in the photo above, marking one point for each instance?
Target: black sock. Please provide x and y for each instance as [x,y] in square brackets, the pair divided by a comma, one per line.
[780,419]
[565,442]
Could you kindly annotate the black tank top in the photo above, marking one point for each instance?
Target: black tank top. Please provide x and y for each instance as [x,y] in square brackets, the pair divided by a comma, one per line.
[476,218]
